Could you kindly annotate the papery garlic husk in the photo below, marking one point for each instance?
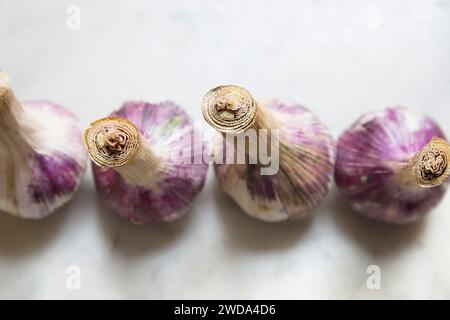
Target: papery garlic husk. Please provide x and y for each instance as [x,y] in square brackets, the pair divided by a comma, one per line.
[42,158]
[393,164]
[306,154]
[133,165]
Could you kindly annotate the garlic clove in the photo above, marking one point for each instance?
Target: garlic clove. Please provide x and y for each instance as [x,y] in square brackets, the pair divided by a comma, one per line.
[42,159]
[133,165]
[303,154]
[392,165]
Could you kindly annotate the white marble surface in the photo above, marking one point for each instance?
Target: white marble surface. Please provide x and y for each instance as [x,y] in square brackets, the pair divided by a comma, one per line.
[339,58]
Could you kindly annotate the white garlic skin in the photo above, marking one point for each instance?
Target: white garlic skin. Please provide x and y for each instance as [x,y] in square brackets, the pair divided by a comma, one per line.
[42,158]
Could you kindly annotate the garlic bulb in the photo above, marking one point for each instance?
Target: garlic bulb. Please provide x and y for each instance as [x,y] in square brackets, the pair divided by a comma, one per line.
[303,149]
[42,159]
[133,164]
[392,165]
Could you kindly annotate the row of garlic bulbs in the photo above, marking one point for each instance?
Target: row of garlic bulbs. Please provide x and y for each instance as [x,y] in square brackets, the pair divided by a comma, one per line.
[391,165]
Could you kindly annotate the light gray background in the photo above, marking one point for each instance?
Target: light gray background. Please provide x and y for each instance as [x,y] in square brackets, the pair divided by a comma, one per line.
[340,58]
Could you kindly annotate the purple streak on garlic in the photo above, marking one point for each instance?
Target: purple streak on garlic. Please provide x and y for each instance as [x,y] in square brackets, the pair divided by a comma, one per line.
[306,155]
[392,165]
[133,168]
[42,159]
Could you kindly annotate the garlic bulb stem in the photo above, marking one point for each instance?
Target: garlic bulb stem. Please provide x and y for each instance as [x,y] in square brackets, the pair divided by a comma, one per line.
[4,83]
[9,143]
[430,167]
[10,107]
[229,109]
[115,142]
[232,109]
[265,119]
[11,114]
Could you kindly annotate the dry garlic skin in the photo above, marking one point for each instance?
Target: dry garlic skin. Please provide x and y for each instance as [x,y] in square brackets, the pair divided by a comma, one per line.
[306,155]
[42,158]
[140,179]
[392,165]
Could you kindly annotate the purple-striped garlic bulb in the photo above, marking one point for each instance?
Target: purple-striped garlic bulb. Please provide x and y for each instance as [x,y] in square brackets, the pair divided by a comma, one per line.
[42,159]
[303,149]
[133,164]
[392,165]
